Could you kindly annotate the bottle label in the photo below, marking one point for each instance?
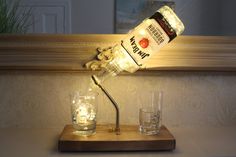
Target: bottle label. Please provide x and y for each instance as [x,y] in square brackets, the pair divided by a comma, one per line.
[165,25]
[146,39]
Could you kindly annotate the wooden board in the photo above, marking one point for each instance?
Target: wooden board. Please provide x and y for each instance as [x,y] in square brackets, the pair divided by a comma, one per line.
[130,139]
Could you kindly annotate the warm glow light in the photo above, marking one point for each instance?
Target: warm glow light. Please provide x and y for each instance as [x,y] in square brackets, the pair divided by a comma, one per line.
[124,60]
[82,114]
[85,112]
[142,32]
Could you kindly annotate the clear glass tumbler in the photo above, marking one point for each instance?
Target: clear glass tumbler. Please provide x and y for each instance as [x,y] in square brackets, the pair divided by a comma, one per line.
[150,112]
[83,111]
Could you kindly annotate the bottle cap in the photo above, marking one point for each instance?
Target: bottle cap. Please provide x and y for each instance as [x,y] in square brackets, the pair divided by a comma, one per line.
[172,19]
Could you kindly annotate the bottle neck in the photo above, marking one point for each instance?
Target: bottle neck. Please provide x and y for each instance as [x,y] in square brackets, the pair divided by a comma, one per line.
[110,70]
[121,62]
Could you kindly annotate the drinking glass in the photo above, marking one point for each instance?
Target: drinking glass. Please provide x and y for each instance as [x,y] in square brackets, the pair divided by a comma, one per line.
[150,112]
[84,111]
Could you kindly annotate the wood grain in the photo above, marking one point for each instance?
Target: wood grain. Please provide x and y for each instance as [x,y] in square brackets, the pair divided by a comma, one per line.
[71,52]
[129,140]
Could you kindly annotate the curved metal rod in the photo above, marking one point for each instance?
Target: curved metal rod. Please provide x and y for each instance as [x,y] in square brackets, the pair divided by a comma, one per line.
[117,129]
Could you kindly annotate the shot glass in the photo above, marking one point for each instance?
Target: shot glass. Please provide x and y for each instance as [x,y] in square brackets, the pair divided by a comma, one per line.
[84,111]
[150,112]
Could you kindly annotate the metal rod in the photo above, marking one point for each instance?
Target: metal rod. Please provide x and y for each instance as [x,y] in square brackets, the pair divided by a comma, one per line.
[117,128]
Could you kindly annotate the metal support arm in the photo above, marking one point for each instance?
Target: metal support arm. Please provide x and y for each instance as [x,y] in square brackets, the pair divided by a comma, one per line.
[117,129]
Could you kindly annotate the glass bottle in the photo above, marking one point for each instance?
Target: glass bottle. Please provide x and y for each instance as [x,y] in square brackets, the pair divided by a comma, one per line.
[141,43]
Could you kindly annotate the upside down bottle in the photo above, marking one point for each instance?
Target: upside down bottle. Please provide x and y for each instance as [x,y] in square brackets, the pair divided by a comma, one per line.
[141,43]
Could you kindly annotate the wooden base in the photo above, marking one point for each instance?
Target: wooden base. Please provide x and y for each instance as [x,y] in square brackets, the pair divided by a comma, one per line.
[130,139]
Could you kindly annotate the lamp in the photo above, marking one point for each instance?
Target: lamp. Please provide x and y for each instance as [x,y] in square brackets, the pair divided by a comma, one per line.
[129,55]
